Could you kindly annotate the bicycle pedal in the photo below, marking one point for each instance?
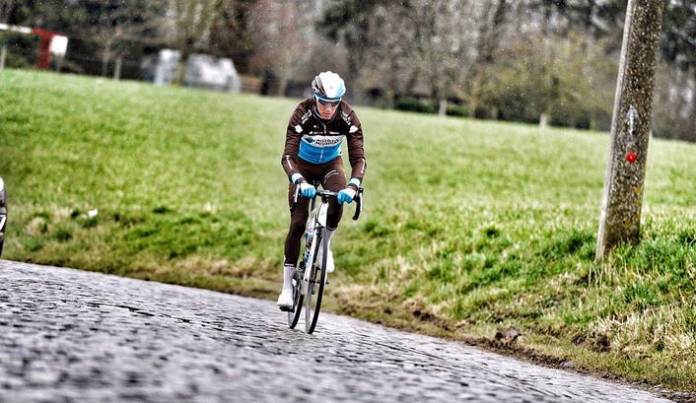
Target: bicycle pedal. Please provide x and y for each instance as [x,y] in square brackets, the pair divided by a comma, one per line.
[286,308]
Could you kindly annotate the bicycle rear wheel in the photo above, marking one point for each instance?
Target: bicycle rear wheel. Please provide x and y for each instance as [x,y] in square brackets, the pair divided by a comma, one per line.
[315,286]
[294,315]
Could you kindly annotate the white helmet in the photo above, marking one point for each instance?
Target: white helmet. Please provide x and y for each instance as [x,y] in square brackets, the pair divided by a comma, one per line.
[328,86]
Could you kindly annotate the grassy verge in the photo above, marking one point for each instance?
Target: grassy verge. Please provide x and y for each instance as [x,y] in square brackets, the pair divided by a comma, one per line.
[470,228]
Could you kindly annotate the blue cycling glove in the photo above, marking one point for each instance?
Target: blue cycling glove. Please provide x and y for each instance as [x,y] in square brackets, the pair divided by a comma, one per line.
[346,195]
[307,190]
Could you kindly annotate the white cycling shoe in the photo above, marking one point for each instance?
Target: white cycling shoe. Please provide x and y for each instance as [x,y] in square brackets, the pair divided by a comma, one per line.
[285,300]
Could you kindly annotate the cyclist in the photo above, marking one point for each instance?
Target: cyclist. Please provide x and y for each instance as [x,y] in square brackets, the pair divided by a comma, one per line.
[313,152]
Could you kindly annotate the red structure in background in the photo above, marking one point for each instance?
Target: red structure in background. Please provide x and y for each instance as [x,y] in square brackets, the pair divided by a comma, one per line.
[46,43]
[44,59]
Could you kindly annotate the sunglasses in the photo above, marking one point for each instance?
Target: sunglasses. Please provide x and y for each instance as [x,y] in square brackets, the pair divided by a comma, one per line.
[328,103]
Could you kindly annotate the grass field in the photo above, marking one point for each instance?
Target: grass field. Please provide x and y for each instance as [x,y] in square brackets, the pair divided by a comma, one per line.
[469,226]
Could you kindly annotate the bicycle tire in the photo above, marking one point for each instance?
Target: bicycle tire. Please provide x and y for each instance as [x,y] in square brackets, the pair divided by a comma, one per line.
[313,302]
[294,315]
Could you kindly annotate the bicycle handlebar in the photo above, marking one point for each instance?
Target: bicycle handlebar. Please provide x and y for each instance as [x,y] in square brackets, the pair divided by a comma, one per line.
[329,194]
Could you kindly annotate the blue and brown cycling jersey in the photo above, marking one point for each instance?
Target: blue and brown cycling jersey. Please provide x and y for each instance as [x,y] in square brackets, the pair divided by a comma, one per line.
[318,142]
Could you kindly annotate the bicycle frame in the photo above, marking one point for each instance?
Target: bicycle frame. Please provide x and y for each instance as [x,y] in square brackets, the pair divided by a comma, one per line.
[317,219]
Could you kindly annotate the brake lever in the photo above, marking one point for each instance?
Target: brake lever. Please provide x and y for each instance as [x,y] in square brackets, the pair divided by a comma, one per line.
[358,204]
[295,197]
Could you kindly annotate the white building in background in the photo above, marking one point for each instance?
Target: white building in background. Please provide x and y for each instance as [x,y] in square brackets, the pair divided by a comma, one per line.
[203,71]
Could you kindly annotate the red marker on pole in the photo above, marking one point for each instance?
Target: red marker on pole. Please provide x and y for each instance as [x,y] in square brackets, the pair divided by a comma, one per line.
[631,157]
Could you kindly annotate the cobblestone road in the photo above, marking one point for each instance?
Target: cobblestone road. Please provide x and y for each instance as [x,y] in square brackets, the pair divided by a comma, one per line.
[67,335]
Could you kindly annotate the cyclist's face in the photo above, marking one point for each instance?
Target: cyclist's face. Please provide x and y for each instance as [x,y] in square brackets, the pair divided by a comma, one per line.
[327,109]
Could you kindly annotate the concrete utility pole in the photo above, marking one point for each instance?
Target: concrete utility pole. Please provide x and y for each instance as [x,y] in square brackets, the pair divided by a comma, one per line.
[630,127]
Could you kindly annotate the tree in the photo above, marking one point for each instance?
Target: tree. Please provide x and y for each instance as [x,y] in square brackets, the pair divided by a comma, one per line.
[6,9]
[192,19]
[525,82]
[440,40]
[284,38]
[674,105]
[605,19]
[411,47]
[489,34]
[107,30]
[350,22]
[115,24]
[231,34]
[678,47]
[49,15]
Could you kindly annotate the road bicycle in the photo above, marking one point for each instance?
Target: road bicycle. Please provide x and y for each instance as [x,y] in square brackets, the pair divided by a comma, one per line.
[310,276]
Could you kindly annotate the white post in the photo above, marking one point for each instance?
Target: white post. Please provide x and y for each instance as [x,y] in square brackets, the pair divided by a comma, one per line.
[3,54]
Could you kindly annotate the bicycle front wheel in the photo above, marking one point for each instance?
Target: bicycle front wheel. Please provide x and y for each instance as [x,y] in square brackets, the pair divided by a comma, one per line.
[315,286]
[294,315]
